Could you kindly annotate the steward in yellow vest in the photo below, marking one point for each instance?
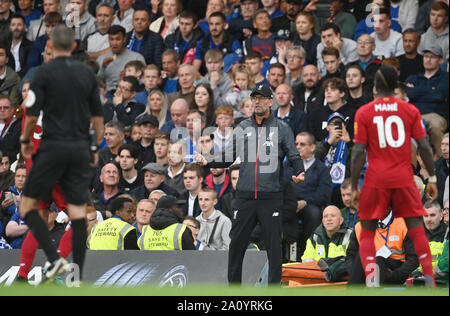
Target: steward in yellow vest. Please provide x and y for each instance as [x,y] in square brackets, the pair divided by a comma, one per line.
[396,256]
[435,229]
[115,233]
[324,257]
[166,231]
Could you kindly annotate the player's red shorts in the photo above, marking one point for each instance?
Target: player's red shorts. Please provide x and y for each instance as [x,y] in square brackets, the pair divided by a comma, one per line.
[405,202]
[58,199]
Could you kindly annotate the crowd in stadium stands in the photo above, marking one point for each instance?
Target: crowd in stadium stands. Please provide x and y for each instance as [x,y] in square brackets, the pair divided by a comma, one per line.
[190,65]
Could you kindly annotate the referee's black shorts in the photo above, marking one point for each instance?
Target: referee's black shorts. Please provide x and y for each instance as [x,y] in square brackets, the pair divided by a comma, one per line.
[63,161]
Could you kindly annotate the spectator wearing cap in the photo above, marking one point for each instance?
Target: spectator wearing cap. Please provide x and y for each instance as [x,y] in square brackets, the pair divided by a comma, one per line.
[154,176]
[428,91]
[346,21]
[330,35]
[438,32]
[126,108]
[149,127]
[263,41]
[306,37]
[166,225]
[287,21]
[335,152]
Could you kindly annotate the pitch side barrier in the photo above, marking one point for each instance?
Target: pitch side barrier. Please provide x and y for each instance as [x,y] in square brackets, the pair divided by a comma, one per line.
[139,268]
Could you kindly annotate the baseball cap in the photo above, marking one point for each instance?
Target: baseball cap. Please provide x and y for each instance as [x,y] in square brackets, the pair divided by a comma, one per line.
[155,168]
[168,201]
[435,49]
[336,114]
[229,61]
[282,34]
[263,90]
[147,118]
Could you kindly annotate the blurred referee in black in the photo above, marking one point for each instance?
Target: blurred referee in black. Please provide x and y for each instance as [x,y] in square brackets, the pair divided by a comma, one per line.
[66,92]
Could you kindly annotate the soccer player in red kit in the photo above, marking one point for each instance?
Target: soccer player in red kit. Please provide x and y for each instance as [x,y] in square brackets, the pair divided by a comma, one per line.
[30,244]
[383,129]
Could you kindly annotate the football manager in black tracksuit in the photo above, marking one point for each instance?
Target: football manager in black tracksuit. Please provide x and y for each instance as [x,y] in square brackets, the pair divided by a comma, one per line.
[261,143]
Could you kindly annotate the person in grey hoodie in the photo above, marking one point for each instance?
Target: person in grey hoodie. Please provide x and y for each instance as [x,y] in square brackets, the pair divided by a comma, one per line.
[215,227]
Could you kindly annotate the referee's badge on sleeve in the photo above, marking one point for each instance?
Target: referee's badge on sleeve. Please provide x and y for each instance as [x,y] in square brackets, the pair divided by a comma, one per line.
[31,99]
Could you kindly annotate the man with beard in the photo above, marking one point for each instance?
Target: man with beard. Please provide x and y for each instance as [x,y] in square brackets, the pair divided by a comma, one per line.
[309,93]
[287,21]
[20,46]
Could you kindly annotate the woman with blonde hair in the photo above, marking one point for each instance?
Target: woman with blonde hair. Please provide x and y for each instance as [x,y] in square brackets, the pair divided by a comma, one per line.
[157,106]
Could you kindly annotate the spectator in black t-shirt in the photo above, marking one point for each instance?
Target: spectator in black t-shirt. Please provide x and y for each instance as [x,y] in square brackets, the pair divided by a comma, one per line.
[130,177]
[126,109]
[411,63]
[358,94]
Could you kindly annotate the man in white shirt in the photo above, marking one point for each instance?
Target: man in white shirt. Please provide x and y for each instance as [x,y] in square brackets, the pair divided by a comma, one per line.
[37,27]
[388,43]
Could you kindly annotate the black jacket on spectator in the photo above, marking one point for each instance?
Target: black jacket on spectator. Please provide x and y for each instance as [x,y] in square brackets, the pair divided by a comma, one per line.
[127,187]
[100,203]
[141,192]
[163,218]
[441,167]
[173,41]
[152,47]
[9,140]
[310,47]
[197,210]
[318,119]
[297,120]
[314,100]
[317,187]
[24,51]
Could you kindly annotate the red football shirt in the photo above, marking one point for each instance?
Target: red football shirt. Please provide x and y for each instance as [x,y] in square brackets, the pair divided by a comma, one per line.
[386,126]
[35,136]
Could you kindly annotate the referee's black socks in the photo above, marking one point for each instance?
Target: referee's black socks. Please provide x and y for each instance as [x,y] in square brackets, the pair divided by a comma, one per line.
[40,231]
[79,236]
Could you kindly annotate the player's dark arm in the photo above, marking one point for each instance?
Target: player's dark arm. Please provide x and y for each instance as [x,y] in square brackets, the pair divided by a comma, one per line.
[357,163]
[97,123]
[426,153]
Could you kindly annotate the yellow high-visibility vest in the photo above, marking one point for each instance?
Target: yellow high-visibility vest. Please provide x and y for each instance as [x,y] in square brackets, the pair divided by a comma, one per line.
[109,235]
[168,238]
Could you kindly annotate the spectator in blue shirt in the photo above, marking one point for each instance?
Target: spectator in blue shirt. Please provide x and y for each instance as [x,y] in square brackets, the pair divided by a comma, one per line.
[365,26]
[218,39]
[428,90]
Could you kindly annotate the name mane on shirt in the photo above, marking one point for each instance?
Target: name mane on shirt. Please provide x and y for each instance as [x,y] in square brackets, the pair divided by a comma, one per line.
[389,107]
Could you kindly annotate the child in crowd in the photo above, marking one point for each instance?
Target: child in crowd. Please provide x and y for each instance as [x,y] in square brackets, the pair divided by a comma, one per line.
[242,85]
[224,131]
[151,79]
